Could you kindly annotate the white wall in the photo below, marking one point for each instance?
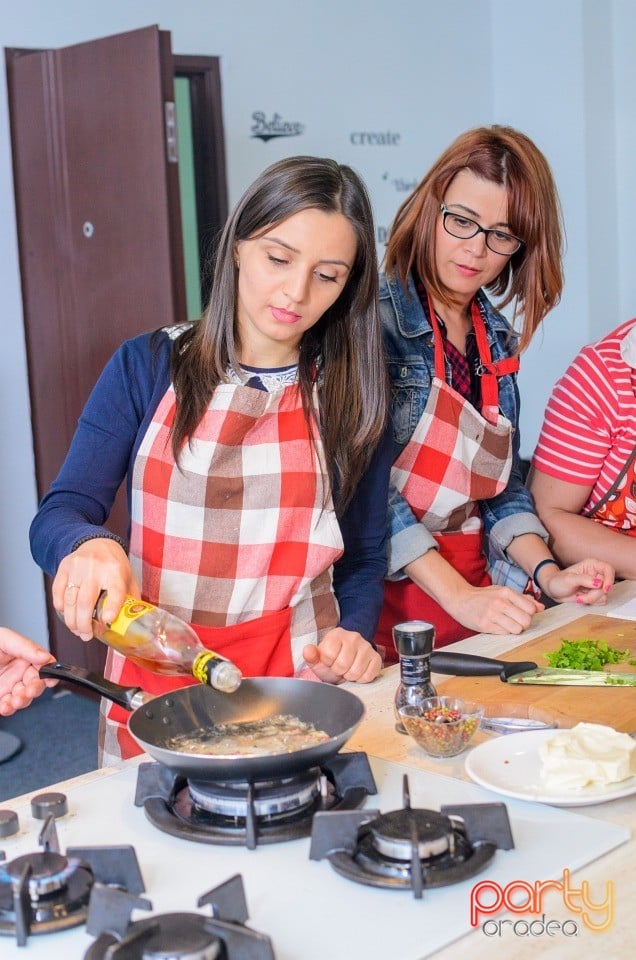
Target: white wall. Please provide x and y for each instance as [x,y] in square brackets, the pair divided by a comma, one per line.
[624,63]
[418,69]
[539,86]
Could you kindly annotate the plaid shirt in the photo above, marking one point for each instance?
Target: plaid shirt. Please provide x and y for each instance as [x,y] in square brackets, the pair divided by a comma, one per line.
[463,378]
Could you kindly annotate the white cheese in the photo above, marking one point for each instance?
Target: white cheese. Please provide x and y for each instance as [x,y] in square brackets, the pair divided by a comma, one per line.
[587,755]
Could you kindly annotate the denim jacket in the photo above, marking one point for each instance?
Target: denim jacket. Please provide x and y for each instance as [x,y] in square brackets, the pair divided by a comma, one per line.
[409,345]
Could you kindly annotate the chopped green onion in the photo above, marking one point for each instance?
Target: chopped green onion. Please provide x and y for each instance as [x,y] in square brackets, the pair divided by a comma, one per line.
[585,655]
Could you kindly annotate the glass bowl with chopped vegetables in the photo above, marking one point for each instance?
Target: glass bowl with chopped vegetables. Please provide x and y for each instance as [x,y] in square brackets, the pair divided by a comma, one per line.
[442,726]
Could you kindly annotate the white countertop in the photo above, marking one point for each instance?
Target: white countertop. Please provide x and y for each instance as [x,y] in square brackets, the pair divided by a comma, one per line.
[378,737]
[308,910]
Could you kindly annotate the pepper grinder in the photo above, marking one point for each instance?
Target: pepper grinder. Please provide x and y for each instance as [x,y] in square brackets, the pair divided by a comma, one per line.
[414,644]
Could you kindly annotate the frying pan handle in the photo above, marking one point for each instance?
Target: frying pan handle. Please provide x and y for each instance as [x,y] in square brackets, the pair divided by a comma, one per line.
[127,697]
[469,665]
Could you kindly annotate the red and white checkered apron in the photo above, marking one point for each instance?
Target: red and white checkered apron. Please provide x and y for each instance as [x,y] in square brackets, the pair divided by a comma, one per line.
[456,457]
[239,540]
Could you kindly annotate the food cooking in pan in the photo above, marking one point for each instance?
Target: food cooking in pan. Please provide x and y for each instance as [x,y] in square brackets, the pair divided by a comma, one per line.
[282,733]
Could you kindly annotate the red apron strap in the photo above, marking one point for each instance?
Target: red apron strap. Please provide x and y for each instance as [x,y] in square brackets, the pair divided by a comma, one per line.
[440,361]
[489,370]
[501,367]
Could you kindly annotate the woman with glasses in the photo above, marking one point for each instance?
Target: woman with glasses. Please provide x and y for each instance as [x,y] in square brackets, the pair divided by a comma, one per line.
[467,551]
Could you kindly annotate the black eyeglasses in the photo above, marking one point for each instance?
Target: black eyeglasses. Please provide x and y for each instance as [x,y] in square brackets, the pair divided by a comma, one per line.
[463,228]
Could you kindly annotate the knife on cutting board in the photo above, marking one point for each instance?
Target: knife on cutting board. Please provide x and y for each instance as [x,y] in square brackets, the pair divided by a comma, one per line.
[469,665]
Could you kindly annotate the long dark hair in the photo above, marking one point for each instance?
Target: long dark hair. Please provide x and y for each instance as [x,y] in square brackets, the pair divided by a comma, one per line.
[345,345]
[533,277]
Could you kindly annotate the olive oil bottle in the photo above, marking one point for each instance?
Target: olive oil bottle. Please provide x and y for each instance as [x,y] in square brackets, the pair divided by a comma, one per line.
[162,643]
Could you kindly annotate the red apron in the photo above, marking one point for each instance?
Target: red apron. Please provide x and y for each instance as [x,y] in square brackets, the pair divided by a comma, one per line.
[239,540]
[456,457]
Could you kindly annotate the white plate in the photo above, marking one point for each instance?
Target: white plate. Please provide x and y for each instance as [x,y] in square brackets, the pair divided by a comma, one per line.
[511,765]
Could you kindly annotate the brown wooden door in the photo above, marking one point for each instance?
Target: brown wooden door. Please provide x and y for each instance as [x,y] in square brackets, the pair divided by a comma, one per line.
[101,254]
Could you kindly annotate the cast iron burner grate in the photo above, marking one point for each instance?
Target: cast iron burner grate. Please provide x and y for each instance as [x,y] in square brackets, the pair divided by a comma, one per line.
[250,814]
[412,848]
[177,936]
[47,891]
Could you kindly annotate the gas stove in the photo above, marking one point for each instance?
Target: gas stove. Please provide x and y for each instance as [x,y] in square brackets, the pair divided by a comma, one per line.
[412,848]
[249,814]
[306,909]
[48,890]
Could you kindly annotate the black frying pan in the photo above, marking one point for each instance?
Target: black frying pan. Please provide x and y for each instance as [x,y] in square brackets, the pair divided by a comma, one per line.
[190,710]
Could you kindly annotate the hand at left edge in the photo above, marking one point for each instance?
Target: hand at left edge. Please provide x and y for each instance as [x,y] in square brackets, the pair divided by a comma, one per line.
[20,660]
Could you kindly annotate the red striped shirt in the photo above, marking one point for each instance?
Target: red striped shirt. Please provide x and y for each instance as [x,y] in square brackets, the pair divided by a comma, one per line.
[589,428]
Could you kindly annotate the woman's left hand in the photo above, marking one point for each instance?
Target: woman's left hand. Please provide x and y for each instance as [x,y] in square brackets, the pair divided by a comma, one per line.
[586,582]
[343,655]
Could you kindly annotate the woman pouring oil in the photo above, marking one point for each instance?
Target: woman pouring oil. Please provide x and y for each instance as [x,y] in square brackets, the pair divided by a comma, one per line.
[254,451]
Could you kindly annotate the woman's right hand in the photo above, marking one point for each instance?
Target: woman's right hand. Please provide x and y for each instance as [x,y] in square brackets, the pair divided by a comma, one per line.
[493,609]
[96,565]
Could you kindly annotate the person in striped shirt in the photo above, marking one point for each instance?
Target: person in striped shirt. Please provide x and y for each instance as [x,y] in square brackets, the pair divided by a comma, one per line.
[583,475]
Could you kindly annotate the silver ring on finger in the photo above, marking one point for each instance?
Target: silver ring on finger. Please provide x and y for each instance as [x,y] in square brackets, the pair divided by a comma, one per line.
[70,588]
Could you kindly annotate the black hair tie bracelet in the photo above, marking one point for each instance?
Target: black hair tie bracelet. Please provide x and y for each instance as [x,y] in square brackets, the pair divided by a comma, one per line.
[539,567]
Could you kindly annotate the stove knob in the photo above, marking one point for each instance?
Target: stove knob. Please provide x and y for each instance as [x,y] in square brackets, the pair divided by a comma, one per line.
[9,823]
[47,803]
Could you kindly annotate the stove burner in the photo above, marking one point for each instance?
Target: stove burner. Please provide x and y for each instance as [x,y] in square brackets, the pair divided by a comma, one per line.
[270,797]
[41,893]
[411,848]
[175,936]
[248,814]
[391,834]
[172,936]
[47,872]
[46,891]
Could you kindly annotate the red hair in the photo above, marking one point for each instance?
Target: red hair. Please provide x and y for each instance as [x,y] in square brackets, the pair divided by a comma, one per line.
[532,277]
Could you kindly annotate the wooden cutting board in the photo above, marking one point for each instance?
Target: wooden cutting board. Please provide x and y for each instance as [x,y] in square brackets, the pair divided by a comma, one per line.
[565,706]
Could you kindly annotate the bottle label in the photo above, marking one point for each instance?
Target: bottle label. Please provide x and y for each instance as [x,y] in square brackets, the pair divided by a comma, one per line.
[415,669]
[203,663]
[131,611]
